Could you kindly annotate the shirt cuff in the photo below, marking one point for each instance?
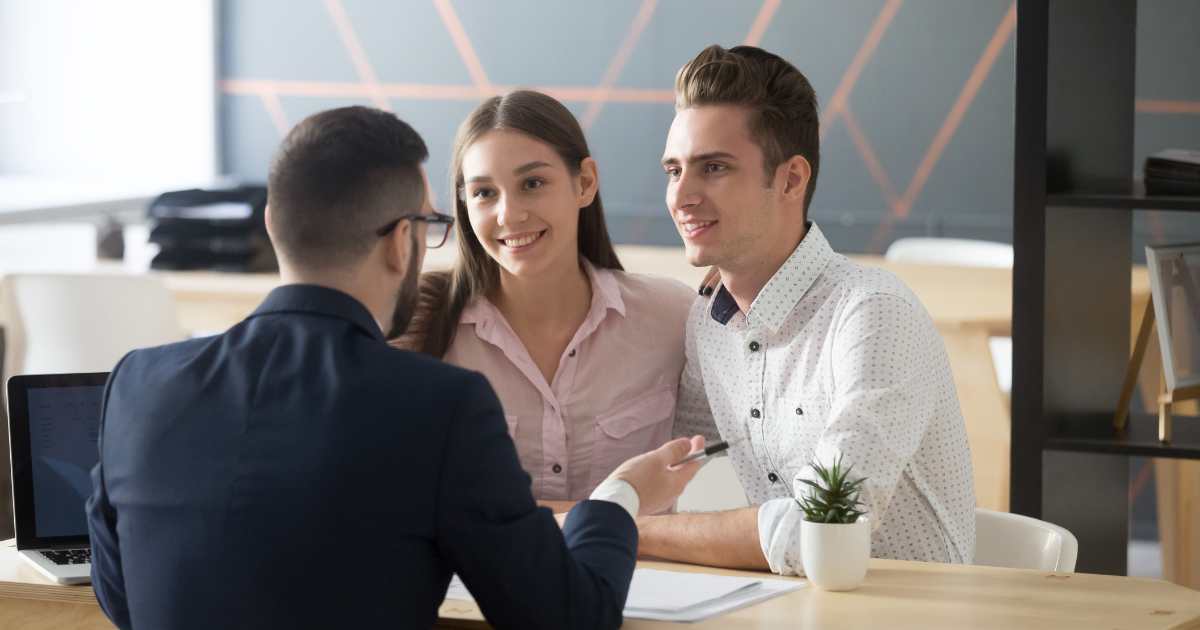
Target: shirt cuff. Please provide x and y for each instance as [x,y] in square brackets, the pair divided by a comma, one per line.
[620,492]
[779,535]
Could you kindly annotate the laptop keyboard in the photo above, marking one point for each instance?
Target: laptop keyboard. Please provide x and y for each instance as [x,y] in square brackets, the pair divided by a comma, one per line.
[69,556]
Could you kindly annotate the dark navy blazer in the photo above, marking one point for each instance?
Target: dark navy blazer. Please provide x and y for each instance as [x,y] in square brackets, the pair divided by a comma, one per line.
[297,472]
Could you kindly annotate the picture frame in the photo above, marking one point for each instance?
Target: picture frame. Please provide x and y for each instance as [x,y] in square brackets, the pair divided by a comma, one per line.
[1175,293]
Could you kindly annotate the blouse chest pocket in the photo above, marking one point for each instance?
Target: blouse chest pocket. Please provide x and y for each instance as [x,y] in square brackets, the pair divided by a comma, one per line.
[634,427]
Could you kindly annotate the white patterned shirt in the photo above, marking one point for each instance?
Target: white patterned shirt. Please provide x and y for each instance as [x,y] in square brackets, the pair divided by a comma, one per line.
[834,359]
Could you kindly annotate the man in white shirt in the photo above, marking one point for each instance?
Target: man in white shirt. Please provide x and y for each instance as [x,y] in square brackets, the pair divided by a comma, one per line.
[799,354]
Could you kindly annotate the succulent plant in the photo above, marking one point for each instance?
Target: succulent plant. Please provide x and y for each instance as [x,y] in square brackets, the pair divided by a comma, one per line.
[833,497]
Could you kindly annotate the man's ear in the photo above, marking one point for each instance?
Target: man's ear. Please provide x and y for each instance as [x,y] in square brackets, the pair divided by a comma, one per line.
[796,173]
[396,246]
[267,221]
[589,182]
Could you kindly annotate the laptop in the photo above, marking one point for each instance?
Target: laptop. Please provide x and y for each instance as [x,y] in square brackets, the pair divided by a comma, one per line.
[53,423]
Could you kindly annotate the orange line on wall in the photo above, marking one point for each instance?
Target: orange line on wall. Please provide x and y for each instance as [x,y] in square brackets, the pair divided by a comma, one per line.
[841,95]
[270,101]
[878,173]
[350,90]
[358,56]
[614,95]
[640,21]
[761,21]
[419,91]
[1148,106]
[463,44]
[950,125]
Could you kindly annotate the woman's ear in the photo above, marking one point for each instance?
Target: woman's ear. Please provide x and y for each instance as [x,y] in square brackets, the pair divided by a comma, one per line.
[589,182]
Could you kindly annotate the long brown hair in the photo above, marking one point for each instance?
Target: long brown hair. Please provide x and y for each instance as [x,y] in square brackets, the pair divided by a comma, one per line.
[444,294]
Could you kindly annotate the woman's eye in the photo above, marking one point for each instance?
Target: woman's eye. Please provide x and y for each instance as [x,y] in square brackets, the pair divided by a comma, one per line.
[533,183]
[481,193]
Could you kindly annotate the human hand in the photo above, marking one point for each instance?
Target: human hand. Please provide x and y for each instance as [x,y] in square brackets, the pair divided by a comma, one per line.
[654,476]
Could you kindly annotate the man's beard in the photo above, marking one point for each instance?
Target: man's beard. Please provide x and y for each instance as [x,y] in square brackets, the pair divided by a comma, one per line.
[406,300]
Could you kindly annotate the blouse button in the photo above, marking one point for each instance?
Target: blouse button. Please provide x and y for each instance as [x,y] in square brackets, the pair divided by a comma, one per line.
[754,413]
[571,353]
[754,346]
[772,477]
[557,469]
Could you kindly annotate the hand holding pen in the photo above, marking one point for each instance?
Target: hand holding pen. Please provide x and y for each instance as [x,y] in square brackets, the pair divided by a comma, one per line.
[708,451]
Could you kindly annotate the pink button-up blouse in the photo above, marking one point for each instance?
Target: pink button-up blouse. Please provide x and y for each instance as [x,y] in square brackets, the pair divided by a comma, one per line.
[613,395]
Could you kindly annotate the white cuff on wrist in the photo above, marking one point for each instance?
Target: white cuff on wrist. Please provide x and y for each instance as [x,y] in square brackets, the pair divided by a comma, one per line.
[620,492]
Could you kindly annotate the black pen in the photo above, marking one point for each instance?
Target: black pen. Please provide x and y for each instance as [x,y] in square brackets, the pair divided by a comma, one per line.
[707,452]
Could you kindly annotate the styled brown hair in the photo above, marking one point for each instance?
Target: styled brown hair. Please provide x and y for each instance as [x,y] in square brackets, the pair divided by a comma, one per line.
[782,103]
[444,294]
[337,177]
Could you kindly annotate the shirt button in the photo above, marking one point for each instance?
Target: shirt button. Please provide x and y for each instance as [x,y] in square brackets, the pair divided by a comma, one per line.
[571,353]
[754,413]
[772,477]
[557,469]
[754,346]
[799,411]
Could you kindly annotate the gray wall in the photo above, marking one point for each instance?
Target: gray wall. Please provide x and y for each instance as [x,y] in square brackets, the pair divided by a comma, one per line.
[938,69]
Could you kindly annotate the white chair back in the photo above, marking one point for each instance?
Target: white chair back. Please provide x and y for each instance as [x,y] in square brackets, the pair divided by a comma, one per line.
[715,487]
[1020,542]
[964,253]
[58,323]
[951,251]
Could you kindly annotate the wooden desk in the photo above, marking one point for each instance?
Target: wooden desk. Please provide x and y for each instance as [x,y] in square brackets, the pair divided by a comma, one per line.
[895,595]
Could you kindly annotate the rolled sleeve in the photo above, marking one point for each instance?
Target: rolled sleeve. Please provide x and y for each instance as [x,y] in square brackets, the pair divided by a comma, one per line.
[779,535]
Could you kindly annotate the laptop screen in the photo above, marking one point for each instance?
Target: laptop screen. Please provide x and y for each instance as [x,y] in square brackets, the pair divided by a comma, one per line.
[63,426]
[54,423]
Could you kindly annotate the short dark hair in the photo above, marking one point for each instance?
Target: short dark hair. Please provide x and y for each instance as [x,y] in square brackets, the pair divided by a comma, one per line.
[782,103]
[338,176]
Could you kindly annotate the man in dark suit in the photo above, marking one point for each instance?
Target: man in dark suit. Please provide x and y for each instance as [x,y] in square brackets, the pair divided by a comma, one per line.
[296,471]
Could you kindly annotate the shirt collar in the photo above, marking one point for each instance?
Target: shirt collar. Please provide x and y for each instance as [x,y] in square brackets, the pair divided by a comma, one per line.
[317,300]
[606,294]
[783,291]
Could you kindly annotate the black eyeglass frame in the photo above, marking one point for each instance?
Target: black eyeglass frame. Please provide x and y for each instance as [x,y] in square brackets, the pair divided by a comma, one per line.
[434,218]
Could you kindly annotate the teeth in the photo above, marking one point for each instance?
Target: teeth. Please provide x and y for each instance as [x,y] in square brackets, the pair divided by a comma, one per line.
[521,242]
[692,226]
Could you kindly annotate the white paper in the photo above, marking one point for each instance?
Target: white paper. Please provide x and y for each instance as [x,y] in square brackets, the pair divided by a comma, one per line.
[678,596]
[672,591]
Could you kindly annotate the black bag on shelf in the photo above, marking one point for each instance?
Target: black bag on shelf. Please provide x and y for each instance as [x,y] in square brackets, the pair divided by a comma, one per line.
[218,230]
[1173,172]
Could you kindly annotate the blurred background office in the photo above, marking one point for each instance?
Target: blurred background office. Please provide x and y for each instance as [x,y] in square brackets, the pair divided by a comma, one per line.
[104,105]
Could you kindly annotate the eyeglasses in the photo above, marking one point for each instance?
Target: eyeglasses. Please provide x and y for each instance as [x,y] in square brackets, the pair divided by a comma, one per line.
[437,227]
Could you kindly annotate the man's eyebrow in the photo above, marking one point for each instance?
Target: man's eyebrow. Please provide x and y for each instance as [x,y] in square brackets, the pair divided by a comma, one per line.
[713,155]
[702,157]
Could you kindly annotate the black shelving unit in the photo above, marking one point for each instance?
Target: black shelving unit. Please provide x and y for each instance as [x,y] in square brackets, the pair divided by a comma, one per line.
[1094,433]
[1074,201]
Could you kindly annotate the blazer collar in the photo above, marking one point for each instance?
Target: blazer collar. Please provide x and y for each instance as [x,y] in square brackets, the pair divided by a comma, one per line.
[317,300]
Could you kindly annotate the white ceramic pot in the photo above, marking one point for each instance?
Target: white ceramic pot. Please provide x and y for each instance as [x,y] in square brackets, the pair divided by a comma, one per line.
[835,556]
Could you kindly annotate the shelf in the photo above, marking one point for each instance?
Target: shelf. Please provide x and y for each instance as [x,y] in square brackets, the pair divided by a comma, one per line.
[1094,433]
[1138,200]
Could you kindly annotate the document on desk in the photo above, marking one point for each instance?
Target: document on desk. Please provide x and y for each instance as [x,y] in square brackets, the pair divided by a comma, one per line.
[679,596]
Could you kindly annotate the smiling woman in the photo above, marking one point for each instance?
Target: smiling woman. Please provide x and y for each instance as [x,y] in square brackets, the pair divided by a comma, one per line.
[585,358]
